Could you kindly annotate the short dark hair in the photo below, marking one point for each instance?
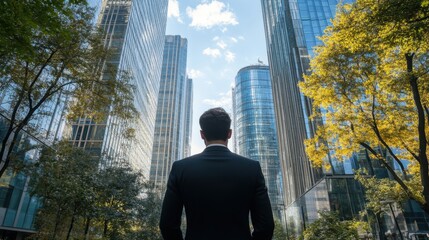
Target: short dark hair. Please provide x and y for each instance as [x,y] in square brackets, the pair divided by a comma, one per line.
[215,123]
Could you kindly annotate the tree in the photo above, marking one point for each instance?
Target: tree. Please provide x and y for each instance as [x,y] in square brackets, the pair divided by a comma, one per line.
[117,198]
[371,79]
[49,48]
[148,216]
[80,201]
[329,227]
[63,179]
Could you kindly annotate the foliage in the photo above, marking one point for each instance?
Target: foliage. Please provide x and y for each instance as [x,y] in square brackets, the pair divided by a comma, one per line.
[51,48]
[80,201]
[118,191]
[63,180]
[378,191]
[25,19]
[148,216]
[329,227]
[279,231]
[371,79]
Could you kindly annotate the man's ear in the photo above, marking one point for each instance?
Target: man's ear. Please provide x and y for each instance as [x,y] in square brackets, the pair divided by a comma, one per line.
[202,135]
[229,133]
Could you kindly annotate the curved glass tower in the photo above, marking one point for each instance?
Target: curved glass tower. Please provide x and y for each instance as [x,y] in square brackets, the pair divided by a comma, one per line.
[255,126]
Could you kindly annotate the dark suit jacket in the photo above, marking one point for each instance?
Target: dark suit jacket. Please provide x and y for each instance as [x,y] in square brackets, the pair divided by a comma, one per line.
[218,190]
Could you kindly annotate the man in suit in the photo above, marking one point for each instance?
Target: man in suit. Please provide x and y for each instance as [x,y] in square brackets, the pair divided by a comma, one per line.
[218,190]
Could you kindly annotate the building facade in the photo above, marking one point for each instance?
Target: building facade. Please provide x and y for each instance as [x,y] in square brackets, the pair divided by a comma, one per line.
[172,128]
[188,118]
[291,29]
[134,31]
[255,127]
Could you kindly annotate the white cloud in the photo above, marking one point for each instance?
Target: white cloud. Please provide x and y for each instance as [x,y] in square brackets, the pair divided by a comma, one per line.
[216,38]
[229,56]
[193,73]
[173,10]
[224,100]
[221,44]
[208,15]
[212,52]
[233,39]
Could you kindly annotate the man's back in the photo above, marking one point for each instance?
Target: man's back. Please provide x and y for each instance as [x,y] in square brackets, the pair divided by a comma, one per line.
[218,190]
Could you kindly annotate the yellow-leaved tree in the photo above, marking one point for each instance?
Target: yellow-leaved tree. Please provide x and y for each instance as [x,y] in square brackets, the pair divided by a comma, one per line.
[371,78]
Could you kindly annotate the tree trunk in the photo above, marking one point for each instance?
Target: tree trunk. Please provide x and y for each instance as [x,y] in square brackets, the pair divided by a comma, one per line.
[423,159]
[57,222]
[6,148]
[71,224]
[87,224]
[106,223]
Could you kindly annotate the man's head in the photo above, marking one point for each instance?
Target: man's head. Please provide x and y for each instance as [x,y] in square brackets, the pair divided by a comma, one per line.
[215,125]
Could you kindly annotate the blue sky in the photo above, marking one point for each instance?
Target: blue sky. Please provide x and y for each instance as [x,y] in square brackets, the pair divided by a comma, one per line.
[223,36]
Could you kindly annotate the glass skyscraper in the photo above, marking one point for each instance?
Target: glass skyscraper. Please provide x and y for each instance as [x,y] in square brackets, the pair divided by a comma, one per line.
[188,118]
[255,127]
[172,128]
[134,31]
[291,29]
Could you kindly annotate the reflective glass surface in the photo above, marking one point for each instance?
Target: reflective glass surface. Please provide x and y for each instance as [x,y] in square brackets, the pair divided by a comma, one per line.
[292,28]
[172,127]
[342,194]
[255,129]
[135,32]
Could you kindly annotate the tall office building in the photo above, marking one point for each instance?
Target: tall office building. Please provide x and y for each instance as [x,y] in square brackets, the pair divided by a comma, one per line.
[188,118]
[134,31]
[174,111]
[255,127]
[291,29]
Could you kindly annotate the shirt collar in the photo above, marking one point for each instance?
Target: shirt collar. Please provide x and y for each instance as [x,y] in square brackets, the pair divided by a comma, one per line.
[215,144]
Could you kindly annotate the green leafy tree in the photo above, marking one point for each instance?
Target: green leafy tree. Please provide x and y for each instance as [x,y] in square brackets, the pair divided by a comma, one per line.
[329,227]
[148,215]
[371,78]
[63,180]
[49,48]
[118,195]
[80,201]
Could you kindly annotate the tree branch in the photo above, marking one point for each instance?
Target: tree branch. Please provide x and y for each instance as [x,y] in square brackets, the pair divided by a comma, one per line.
[427,113]
[42,68]
[390,169]
[380,138]
[410,151]
[48,93]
